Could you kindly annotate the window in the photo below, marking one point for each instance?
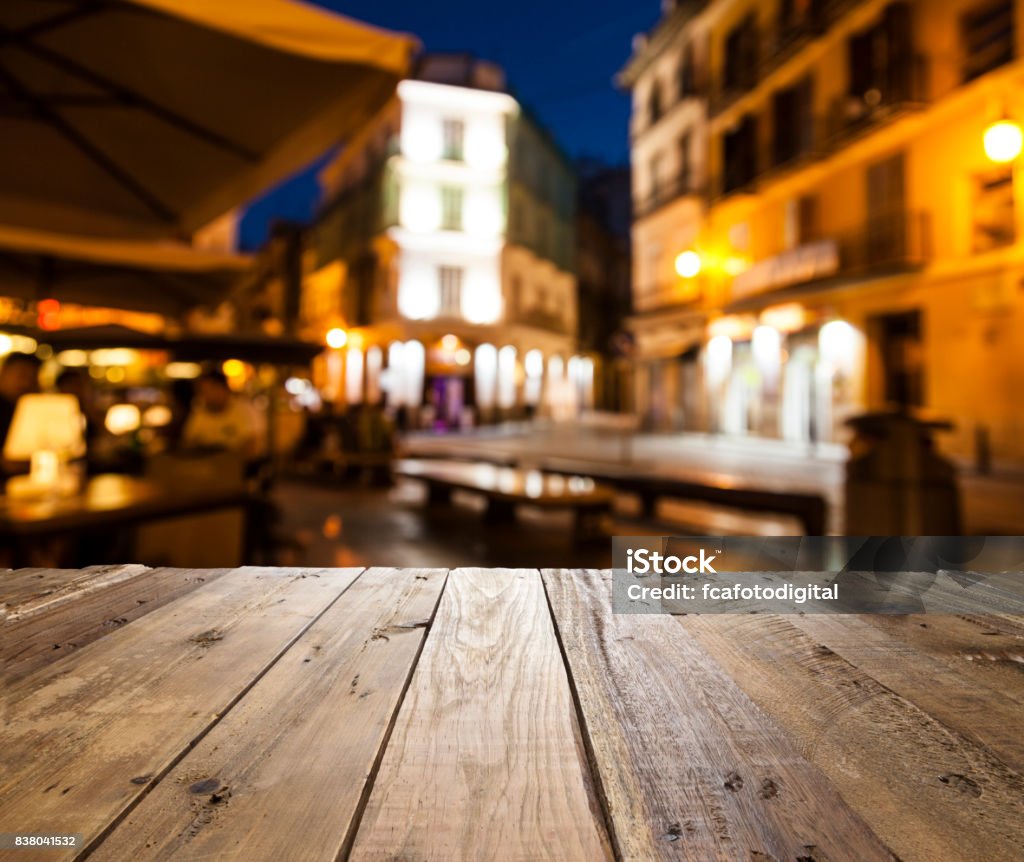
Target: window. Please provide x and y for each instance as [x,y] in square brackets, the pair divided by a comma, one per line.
[740,155]
[881,59]
[988,34]
[794,124]
[450,278]
[687,74]
[655,105]
[686,162]
[741,56]
[451,208]
[994,217]
[454,132]
[655,177]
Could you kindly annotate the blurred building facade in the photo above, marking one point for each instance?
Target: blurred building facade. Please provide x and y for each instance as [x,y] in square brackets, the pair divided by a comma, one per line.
[445,254]
[856,245]
[603,275]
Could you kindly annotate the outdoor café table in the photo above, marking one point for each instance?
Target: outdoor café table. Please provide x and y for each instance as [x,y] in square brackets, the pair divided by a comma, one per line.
[493,714]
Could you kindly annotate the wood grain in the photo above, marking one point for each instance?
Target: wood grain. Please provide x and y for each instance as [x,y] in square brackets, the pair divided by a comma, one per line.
[485,761]
[690,767]
[21,589]
[283,775]
[59,617]
[83,738]
[928,791]
[951,692]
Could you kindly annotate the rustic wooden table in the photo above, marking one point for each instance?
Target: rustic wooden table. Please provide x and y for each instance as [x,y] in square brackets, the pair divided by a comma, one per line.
[262,714]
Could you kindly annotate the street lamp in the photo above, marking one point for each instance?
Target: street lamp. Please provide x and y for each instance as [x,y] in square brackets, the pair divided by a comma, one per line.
[688,264]
[1004,141]
[337,338]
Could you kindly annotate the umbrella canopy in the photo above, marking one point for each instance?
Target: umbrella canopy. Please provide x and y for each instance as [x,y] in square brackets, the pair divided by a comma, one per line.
[103,336]
[162,277]
[150,118]
[251,347]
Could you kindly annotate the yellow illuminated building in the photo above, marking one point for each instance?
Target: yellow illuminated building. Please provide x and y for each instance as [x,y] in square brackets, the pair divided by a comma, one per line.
[861,237]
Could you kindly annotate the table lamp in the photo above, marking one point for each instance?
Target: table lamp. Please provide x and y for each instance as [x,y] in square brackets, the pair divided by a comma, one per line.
[47,430]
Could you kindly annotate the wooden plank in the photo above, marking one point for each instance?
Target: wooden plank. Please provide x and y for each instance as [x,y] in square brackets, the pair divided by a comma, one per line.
[21,588]
[928,791]
[485,761]
[283,775]
[689,767]
[60,618]
[990,645]
[952,694]
[85,737]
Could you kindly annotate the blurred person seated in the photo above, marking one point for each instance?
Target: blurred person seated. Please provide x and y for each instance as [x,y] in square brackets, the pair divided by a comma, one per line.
[220,420]
[19,376]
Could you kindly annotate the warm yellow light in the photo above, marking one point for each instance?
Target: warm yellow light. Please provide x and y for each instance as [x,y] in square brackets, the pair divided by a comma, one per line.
[157,416]
[114,356]
[1004,141]
[735,265]
[450,342]
[73,358]
[122,419]
[337,338]
[787,318]
[5,344]
[233,367]
[688,264]
[463,356]
[182,370]
[115,374]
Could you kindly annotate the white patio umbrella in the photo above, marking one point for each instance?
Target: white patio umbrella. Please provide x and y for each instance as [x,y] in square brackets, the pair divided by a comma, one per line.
[150,118]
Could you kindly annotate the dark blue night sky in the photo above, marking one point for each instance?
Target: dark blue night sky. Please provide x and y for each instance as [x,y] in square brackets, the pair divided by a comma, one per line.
[560,57]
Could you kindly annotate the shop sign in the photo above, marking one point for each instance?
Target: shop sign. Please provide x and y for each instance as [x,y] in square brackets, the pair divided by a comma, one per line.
[802,264]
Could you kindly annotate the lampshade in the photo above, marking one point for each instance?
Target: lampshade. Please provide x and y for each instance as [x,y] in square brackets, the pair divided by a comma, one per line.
[45,423]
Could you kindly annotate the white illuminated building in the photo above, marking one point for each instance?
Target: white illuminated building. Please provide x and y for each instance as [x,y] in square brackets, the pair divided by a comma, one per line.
[445,246]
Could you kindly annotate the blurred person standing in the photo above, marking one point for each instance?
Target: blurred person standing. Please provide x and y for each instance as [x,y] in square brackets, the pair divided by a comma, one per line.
[219,420]
[19,376]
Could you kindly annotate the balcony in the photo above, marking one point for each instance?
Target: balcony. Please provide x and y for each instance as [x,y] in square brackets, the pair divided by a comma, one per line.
[680,187]
[888,244]
[906,89]
[896,241]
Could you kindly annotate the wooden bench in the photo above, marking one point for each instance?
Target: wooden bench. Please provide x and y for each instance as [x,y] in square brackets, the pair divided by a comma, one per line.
[809,508]
[504,488]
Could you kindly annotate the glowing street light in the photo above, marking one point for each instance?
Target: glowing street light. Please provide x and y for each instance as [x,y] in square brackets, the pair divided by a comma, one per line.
[688,264]
[1004,141]
[337,338]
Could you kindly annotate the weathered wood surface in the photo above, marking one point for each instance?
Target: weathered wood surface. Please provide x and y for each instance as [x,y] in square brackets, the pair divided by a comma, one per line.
[486,761]
[293,758]
[945,683]
[49,614]
[500,714]
[928,791]
[87,736]
[689,766]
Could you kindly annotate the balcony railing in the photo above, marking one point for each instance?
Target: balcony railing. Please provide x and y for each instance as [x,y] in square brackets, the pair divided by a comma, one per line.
[679,188]
[896,240]
[851,116]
